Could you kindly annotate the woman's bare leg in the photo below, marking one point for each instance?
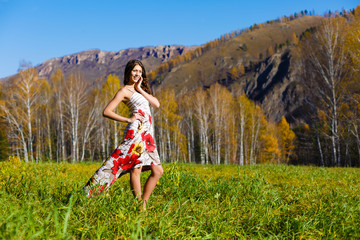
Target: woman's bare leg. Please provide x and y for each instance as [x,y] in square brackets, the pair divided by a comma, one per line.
[135,183]
[156,172]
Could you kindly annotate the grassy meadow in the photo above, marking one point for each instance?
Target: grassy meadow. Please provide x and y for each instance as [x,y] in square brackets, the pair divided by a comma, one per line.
[44,201]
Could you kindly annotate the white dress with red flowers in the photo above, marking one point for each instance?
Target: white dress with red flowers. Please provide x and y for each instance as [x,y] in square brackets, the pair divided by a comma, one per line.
[137,150]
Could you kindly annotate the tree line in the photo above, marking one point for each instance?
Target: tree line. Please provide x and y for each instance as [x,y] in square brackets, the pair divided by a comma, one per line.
[216,126]
[61,119]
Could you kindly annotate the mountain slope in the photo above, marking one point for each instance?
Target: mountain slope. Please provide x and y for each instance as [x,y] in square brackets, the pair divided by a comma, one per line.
[268,77]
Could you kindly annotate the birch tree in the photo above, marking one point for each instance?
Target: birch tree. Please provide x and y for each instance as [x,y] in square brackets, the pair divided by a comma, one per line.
[326,53]
[220,100]
[46,106]
[58,86]
[202,115]
[92,116]
[75,102]
[188,125]
[27,94]
[12,117]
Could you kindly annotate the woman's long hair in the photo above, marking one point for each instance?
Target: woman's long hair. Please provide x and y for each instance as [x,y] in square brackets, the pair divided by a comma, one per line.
[129,67]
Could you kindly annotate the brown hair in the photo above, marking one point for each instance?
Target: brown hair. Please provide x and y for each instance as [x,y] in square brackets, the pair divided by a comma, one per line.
[129,67]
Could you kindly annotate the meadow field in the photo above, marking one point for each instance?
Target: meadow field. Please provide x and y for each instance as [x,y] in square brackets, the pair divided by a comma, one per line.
[44,201]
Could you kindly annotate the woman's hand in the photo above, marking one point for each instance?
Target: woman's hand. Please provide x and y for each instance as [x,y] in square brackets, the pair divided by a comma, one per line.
[152,100]
[138,84]
[136,116]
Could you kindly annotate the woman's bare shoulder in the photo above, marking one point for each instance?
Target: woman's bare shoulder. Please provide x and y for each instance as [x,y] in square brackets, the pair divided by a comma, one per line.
[124,93]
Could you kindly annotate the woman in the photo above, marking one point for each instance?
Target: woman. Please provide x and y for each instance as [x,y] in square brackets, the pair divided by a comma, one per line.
[137,152]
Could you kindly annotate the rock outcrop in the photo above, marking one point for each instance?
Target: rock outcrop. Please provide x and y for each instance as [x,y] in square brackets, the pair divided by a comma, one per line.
[273,85]
[96,64]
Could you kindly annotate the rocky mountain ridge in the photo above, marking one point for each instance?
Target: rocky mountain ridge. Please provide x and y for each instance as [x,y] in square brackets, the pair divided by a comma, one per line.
[95,64]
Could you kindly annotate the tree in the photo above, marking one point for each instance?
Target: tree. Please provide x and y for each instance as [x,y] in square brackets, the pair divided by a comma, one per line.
[45,103]
[185,103]
[220,105]
[19,112]
[270,152]
[58,85]
[202,116]
[92,116]
[15,116]
[75,100]
[286,139]
[294,39]
[172,141]
[270,51]
[108,91]
[323,53]
[234,72]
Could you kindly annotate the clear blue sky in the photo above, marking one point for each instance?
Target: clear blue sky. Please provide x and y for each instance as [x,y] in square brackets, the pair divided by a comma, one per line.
[38,30]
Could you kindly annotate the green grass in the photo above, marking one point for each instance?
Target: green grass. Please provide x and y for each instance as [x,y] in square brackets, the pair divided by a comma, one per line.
[44,201]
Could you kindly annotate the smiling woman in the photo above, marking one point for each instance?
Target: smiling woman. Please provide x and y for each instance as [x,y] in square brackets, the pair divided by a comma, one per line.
[138,151]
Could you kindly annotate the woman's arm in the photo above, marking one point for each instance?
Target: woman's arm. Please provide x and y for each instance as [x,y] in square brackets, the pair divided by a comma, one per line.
[152,100]
[109,109]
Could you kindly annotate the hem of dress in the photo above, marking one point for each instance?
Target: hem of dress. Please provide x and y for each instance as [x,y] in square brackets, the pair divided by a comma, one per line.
[147,166]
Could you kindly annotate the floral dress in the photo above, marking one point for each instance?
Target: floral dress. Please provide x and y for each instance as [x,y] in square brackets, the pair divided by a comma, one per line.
[137,150]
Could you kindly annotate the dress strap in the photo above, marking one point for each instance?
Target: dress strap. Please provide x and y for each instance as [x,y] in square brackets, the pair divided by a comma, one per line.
[129,89]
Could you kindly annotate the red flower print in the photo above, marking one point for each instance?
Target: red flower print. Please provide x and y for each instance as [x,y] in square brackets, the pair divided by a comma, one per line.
[124,160]
[113,180]
[143,136]
[116,166]
[116,153]
[150,119]
[130,164]
[141,112]
[131,148]
[149,141]
[130,134]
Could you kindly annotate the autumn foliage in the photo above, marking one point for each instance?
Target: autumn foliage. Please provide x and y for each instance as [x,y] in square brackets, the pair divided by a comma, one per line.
[213,126]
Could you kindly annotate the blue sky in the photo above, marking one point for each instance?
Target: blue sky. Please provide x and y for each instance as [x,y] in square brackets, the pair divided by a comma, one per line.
[38,30]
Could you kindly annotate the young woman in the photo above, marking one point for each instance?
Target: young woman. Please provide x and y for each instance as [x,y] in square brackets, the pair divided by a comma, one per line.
[137,152]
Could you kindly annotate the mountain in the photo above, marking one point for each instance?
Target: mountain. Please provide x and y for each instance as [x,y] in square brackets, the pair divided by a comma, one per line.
[94,64]
[265,52]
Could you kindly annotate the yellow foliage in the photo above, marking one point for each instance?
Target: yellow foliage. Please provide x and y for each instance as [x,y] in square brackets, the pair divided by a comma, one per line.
[169,121]
[14,160]
[241,69]
[270,149]
[294,39]
[234,72]
[286,139]
[353,40]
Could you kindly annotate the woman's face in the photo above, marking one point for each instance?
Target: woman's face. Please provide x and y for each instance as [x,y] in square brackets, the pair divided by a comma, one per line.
[136,74]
